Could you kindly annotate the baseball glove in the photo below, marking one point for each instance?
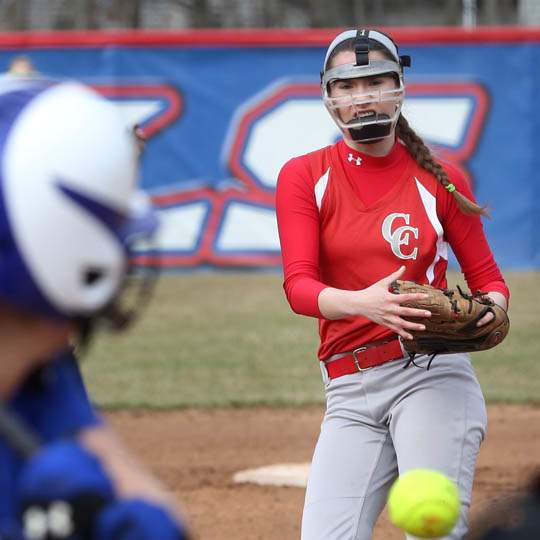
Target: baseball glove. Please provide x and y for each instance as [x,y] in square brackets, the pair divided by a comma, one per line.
[452,325]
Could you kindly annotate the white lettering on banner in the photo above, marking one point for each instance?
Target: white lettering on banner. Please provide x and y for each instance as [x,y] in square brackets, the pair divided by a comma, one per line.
[399,237]
[234,216]
[427,115]
[180,229]
[294,128]
[138,111]
[248,227]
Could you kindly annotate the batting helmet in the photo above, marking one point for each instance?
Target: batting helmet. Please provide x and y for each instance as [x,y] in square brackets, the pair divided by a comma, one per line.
[70,208]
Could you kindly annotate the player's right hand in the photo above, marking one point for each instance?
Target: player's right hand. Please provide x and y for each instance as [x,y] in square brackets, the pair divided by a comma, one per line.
[379,305]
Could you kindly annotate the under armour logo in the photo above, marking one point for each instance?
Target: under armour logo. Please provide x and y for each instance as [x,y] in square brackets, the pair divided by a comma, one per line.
[400,236]
[357,159]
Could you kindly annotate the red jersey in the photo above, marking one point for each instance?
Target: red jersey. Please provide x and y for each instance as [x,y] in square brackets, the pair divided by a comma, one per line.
[347,219]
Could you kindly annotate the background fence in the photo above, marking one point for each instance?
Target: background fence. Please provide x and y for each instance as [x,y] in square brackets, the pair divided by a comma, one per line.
[100,14]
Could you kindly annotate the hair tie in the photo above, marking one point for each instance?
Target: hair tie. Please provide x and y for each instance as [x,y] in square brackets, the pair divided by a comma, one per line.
[450,187]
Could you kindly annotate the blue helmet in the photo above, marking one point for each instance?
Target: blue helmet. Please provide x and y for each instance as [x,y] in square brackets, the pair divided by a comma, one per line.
[70,208]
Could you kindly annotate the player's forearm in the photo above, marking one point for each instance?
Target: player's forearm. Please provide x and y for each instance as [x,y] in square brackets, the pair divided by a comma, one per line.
[131,479]
[377,303]
[338,303]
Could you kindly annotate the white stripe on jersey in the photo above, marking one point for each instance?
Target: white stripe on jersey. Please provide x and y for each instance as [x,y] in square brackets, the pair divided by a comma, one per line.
[430,204]
[320,188]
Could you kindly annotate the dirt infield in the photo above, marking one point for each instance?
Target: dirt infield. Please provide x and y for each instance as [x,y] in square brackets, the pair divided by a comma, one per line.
[196,453]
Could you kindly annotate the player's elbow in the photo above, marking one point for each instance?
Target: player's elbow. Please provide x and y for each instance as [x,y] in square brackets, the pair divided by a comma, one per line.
[302,302]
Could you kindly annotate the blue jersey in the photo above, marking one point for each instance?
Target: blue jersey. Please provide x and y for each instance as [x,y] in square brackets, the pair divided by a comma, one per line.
[54,404]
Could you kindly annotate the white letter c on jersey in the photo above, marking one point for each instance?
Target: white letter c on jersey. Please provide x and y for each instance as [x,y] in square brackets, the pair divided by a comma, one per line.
[400,236]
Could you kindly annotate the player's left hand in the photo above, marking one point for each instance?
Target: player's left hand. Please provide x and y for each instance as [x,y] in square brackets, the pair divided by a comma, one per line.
[65,493]
[61,490]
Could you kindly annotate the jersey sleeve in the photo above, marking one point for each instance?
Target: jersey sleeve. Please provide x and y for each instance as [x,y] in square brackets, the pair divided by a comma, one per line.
[54,400]
[298,226]
[466,236]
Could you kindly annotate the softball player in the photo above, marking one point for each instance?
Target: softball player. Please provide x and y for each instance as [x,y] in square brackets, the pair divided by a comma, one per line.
[352,217]
[70,212]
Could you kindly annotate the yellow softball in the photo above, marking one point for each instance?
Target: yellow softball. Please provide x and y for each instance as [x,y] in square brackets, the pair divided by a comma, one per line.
[424,503]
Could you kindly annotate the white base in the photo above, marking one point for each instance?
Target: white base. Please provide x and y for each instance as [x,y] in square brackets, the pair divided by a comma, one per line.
[283,474]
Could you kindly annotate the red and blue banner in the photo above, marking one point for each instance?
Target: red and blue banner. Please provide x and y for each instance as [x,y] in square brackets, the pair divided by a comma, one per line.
[223,110]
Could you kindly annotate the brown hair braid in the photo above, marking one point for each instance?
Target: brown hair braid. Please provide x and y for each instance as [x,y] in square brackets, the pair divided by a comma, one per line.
[423,156]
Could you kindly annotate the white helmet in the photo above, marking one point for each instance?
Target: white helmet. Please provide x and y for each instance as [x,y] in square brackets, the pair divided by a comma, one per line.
[373,126]
[70,208]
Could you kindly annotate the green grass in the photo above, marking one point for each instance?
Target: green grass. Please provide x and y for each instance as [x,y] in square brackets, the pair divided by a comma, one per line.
[214,340]
[510,373]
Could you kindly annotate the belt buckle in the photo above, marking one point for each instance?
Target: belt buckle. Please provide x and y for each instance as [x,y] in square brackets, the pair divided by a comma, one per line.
[356,362]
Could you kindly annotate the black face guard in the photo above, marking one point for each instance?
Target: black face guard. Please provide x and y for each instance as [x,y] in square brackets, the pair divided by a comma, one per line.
[372,132]
[127,305]
[133,297]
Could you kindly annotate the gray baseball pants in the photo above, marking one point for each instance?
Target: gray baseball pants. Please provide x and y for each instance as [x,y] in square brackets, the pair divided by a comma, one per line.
[388,420]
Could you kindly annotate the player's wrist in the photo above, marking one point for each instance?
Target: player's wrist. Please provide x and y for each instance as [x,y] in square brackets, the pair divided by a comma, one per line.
[337,303]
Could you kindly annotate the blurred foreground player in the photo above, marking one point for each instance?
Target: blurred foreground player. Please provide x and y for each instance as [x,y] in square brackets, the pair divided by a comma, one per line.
[70,211]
